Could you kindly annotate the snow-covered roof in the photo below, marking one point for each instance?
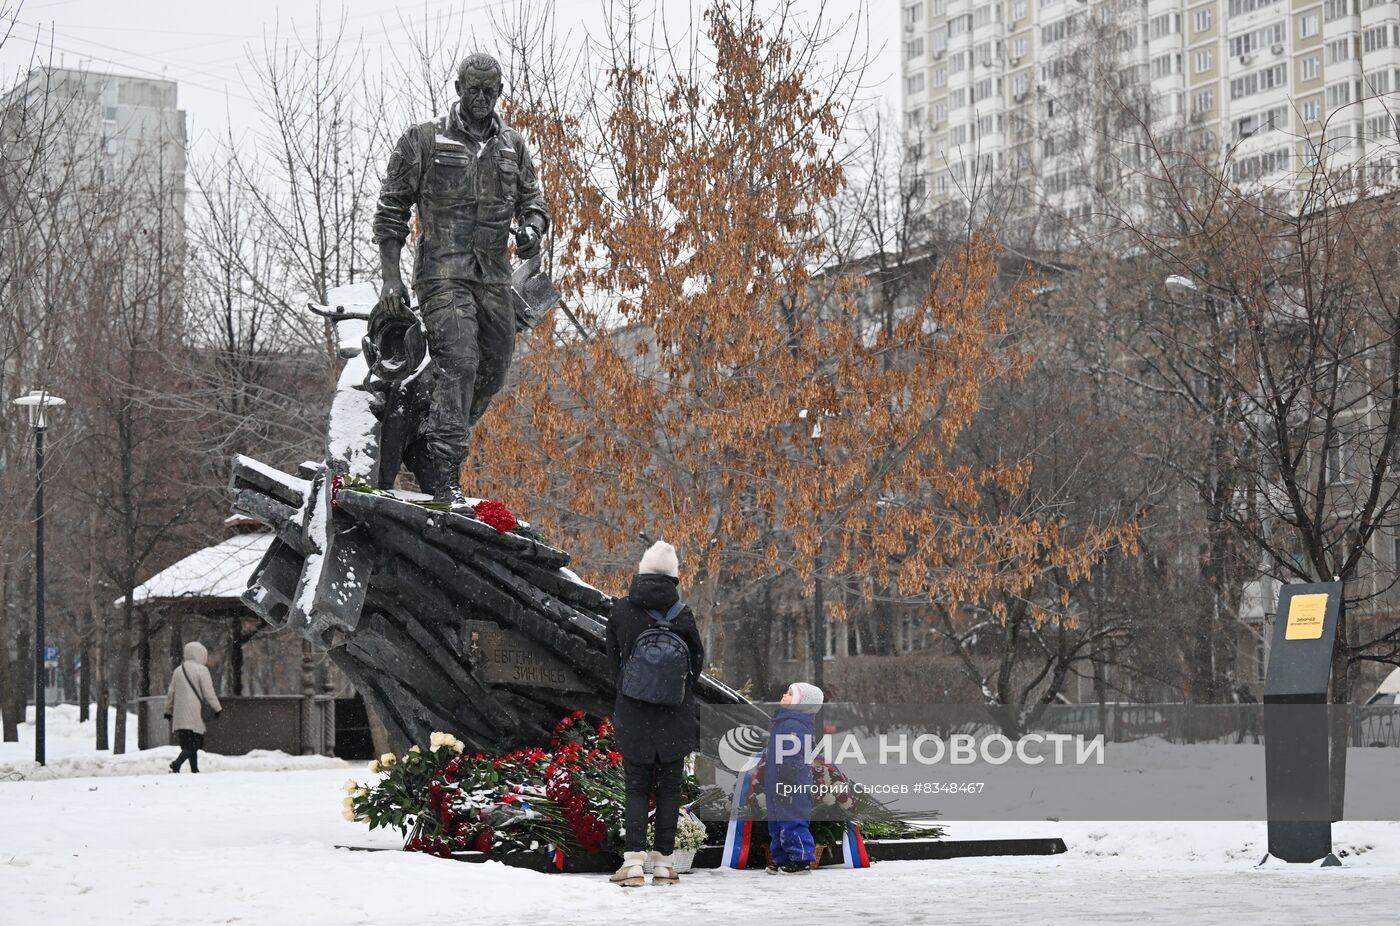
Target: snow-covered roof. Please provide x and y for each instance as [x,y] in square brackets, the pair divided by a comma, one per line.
[220,571]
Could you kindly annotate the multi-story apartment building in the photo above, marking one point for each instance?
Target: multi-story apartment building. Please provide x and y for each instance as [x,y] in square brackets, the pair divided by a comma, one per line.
[98,129]
[982,80]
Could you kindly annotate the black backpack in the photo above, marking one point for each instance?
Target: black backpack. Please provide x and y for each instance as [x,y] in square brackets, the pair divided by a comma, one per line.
[659,664]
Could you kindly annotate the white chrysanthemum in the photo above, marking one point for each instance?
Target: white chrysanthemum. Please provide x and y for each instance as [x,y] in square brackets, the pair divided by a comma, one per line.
[351,785]
[455,745]
[387,760]
[436,740]
[374,767]
[348,803]
[348,813]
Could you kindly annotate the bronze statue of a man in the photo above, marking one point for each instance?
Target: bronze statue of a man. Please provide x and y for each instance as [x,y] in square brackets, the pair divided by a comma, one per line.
[474,183]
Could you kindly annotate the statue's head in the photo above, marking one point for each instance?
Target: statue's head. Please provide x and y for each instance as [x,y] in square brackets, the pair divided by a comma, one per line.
[479,85]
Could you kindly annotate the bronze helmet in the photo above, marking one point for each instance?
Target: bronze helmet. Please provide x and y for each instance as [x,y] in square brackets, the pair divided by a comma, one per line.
[395,344]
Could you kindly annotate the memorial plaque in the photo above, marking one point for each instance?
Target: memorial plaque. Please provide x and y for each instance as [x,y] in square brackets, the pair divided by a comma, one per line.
[503,657]
[1305,617]
[1297,762]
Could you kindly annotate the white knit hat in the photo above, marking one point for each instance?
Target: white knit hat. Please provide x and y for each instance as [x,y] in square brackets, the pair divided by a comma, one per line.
[809,697]
[660,559]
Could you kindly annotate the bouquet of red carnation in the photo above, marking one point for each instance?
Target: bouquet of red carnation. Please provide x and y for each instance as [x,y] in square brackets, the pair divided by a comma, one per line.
[570,796]
[495,514]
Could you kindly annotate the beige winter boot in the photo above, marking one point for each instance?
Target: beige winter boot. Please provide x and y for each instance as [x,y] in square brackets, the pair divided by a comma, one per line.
[631,874]
[663,868]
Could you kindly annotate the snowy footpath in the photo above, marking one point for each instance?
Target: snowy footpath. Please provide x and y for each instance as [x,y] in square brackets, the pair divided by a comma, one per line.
[99,839]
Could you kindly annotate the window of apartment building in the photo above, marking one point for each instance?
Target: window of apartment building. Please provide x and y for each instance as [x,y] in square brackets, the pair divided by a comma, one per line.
[957,136]
[960,25]
[1380,128]
[985,14]
[1018,47]
[984,89]
[1020,85]
[1203,102]
[914,119]
[1058,66]
[914,14]
[1060,29]
[959,61]
[787,641]
[936,7]
[914,83]
[1377,82]
[940,40]
[1205,60]
[1310,68]
[1164,25]
[940,77]
[912,636]
[1339,50]
[988,52]
[1339,94]
[1061,181]
[957,98]
[1237,7]
[1380,37]
[1261,165]
[1312,111]
[1372,4]
[914,49]
[1341,460]
[940,113]
[1252,42]
[1018,10]
[1166,65]
[1261,122]
[1203,20]
[941,183]
[1308,26]
[1259,81]
[1336,9]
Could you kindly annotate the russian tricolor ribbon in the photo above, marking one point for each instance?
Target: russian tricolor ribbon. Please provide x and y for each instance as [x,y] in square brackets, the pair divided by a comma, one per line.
[740,831]
[853,848]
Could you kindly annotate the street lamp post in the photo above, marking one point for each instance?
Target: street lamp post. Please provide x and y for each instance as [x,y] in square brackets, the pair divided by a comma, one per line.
[818,604]
[37,404]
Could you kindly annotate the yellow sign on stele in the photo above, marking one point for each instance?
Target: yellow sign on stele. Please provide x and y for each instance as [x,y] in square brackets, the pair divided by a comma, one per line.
[1305,617]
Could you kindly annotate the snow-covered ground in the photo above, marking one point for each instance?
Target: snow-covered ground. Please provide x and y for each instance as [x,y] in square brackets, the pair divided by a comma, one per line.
[253,840]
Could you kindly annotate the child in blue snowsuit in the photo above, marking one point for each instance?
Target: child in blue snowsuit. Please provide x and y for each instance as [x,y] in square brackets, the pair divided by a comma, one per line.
[788,781]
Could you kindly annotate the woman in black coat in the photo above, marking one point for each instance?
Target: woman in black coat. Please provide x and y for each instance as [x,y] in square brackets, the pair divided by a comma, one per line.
[654,739]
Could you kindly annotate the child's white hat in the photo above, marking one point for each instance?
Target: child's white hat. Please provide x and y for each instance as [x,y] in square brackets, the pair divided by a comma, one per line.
[808,696]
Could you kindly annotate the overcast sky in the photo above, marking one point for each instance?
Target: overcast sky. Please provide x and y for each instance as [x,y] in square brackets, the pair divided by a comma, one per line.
[203,43]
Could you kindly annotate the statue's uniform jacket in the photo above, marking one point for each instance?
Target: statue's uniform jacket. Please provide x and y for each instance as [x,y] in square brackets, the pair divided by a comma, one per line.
[468,192]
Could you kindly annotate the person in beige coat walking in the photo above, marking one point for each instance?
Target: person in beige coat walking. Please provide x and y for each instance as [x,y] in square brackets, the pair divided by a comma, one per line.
[191,693]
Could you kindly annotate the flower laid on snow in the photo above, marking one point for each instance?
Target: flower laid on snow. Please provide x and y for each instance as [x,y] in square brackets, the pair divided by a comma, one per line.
[570,796]
[351,785]
[495,514]
[374,767]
